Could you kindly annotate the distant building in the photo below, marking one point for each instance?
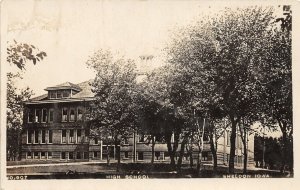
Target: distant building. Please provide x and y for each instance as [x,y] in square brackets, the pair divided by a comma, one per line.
[55,129]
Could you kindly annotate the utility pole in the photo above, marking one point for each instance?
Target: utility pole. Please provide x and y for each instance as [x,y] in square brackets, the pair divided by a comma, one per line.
[263,149]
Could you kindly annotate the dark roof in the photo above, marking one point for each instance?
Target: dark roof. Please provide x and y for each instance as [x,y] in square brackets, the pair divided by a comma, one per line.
[41,97]
[65,85]
[84,92]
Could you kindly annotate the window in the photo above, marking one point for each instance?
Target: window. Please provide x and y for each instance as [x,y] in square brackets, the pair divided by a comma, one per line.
[36,136]
[87,113]
[58,95]
[44,115]
[166,155]
[126,154]
[65,114]
[86,133]
[66,94]
[72,115]
[141,138]
[205,137]
[63,155]
[125,141]
[43,155]
[96,141]
[85,155]
[64,136]
[228,138]
[78,155]
[140,156]
[79,114]
[29,136]
[95,155]
[50,136]
[30,116]
[29,155]
[104,152]
[238,138]
[37,117]
[71,136]
[205,156]
[52,95]
[49,155]
[78,136]
[71,155]
[157,155]
[43,136]
[36,155]
[51,115]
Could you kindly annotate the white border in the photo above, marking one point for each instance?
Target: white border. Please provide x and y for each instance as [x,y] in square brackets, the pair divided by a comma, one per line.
[170,183]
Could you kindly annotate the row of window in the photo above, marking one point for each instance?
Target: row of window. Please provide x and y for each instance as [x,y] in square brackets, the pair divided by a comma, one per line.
[63,155]
[39,155]
[74,135]
[39,136]
[47,116]
[165,155]
[74,155]
[85,155]
[59,94]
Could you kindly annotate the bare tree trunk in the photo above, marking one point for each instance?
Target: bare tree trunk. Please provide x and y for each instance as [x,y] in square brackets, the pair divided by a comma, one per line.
[152,149]
[243,134]
[232,145]
[181,153]
[283,128]
[199,160]
[245,158]
[107,158]
[213,151]
[200,145]
[171,153]
[117,147]
[191,151]
[284,151]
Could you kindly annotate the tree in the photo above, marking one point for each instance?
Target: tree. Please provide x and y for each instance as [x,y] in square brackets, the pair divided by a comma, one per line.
[223,54]
[149,115]
[113,111]
[14,112]
[271,148]
[216,129]
[277,96]
[162,107]
[17,54]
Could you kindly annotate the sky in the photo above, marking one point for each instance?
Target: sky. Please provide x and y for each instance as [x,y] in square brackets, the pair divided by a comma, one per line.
[69,32]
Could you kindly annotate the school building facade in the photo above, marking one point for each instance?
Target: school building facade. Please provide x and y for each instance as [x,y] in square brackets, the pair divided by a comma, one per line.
[55,129]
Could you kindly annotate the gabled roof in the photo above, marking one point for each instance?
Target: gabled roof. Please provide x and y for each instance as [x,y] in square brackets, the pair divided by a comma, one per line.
[65,85]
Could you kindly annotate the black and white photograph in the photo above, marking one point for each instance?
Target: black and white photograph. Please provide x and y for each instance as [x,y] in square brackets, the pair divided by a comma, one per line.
[98,89]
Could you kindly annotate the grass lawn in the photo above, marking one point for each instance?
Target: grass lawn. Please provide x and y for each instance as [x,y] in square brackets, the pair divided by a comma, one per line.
[158,170]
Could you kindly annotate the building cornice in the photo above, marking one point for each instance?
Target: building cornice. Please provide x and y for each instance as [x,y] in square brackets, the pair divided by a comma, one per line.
[63,100]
